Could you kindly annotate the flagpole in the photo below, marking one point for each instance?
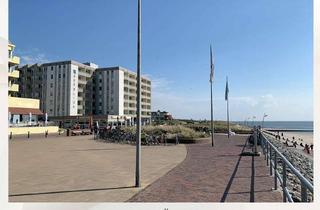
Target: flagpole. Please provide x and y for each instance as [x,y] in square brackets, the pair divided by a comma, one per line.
[227,97]
[138,131]
[212,131]
[211,80]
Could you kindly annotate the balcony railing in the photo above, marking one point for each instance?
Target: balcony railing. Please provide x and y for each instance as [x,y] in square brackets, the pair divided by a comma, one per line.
[14,60]
[14,88]
[14,74]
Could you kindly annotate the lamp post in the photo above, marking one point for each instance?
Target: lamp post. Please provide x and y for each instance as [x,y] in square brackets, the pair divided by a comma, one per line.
[138,131]
[254,117]
[264,116]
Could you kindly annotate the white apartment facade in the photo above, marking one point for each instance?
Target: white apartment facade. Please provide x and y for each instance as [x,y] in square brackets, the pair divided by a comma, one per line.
[62,86]
[114,92]
[70,88]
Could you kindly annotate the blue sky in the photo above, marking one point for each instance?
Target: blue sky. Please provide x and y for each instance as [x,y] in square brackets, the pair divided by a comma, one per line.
[264,47]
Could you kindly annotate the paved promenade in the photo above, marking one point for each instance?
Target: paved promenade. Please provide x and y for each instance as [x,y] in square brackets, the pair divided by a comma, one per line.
[78,169]
[214,175]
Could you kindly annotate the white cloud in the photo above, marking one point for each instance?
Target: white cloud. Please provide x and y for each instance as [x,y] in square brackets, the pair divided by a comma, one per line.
[32,56]
[164,97]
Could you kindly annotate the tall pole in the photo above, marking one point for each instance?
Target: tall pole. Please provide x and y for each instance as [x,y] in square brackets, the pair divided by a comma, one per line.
[138,131]
[228,118]
[227,98]
[212,131]
[211,80]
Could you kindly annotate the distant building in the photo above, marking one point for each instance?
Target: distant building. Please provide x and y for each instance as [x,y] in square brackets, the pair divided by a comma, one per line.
[114,92]
[160,115]
[70,88]
[64,87]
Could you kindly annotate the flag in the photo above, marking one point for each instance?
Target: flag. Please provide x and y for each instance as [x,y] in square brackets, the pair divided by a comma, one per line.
[211,65]
[227,91]
[265,115]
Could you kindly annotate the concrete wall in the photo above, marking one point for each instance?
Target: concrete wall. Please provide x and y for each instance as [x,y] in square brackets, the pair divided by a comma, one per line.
[33,130]
[23,102]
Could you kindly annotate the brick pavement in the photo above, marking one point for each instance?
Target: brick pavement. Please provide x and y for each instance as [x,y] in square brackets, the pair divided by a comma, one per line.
[214,175]
[78,169]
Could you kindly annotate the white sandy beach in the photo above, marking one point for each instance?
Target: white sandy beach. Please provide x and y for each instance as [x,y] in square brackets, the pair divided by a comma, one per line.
[307,137]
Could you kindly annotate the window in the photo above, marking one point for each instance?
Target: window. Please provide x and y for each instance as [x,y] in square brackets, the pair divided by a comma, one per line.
[64,75]
[51,76]
[74,71]
[51,68]
[51,85]
[51,94]
[59,76]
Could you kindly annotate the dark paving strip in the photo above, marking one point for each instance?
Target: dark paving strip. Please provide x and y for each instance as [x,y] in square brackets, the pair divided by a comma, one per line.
[225,194]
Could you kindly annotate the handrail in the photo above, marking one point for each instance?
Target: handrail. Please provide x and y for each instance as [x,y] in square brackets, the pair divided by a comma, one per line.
[267,147]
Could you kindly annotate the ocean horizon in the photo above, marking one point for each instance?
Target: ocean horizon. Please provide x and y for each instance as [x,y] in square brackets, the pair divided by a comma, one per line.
[298,125]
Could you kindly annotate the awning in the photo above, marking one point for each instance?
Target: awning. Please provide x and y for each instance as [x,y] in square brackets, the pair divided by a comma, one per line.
[25,111]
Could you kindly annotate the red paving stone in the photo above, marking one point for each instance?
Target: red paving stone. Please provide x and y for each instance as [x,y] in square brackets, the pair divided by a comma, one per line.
[216,174]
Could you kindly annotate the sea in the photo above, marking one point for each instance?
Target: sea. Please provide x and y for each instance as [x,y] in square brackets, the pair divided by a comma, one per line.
[302,129]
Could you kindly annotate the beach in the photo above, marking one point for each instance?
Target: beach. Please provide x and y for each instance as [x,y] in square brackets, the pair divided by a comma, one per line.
[307,137]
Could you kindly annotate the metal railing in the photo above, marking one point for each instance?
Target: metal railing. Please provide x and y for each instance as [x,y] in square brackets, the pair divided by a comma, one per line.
[272,155]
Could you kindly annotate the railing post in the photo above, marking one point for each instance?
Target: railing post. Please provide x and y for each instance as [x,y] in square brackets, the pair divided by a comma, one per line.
[255,139]
[304,195]
[270,160]
[264,148]
[275,169]
[284,180]
[267,154]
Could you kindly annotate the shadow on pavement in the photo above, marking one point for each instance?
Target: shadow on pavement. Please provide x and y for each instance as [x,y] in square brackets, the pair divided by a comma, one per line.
[71,191]
[226,192]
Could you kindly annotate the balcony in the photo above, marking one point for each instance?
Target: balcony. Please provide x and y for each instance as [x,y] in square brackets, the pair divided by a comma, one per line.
[84,74]
[14,88]
[14,74]
[82,82]
[23,102]
[14,60]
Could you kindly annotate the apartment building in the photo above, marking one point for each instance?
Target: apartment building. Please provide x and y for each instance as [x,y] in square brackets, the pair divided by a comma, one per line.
[63,87]
[13,74]
[70,88]
[21,111]
[114,92]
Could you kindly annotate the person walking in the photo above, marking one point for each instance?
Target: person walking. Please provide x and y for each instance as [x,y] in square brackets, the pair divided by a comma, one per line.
[177,139]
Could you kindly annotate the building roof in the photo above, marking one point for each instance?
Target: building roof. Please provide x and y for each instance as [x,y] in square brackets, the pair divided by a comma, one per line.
[118,68]
[25,111]
[68,62]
